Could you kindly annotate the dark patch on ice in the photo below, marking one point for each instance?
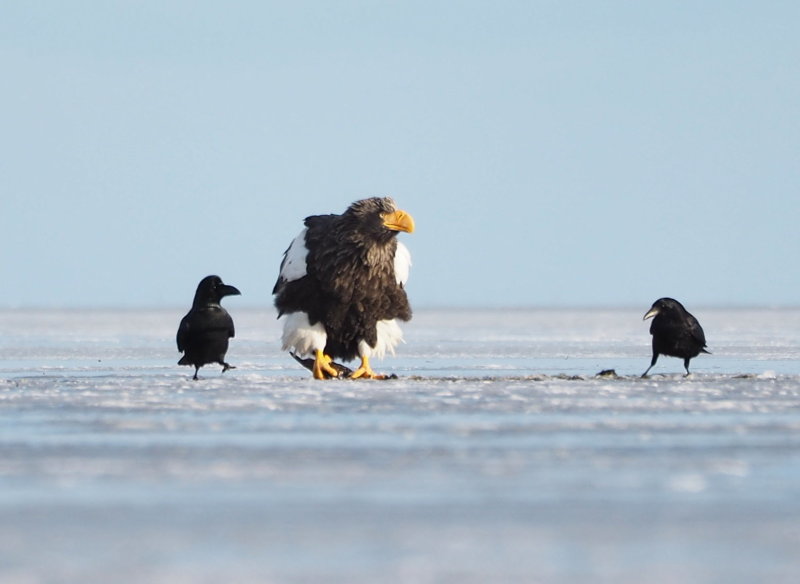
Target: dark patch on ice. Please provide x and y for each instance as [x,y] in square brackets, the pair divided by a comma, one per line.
[494,378]
[604,375]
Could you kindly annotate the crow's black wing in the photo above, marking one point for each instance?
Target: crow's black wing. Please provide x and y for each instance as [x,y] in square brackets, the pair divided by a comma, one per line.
[184,330]
[695,330]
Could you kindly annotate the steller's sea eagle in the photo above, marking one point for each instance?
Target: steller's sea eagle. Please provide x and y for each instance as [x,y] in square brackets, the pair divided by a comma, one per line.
[204,332]
[341,287]
[675,332]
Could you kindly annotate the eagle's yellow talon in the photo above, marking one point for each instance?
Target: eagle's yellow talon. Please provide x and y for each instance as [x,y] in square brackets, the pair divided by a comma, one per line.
[365,371]
[322,368]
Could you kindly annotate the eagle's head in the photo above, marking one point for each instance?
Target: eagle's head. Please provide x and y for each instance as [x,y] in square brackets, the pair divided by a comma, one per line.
[378,218]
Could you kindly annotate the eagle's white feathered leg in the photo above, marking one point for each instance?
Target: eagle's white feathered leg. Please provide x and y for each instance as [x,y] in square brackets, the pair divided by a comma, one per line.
[304,339]
[389,336]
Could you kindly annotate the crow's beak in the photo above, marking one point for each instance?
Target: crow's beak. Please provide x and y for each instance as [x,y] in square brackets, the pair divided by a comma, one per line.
[226,290]
[650,313]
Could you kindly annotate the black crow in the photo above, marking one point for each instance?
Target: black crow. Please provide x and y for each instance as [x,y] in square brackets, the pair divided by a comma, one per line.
[341,287]
[675,332]
[204,332]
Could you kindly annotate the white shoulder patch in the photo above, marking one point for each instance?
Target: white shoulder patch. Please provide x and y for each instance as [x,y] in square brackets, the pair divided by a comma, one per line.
[293,266]
[402,264]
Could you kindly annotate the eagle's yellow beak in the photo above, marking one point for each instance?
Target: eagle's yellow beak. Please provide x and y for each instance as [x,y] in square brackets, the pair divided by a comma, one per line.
[399,221]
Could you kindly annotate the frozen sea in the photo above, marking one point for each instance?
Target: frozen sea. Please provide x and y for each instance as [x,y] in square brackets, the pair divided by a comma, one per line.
[497,456]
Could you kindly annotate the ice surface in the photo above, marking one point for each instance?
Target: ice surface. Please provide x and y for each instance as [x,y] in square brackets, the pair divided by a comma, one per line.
[497,456]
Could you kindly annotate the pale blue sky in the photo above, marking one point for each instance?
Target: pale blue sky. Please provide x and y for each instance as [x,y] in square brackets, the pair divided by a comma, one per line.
[551,152]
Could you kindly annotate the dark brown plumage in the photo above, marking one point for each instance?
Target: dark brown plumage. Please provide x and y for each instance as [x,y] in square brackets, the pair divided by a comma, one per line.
[341,285]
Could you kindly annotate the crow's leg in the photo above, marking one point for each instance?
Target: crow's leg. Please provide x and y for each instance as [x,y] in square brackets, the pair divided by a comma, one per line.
[653,362]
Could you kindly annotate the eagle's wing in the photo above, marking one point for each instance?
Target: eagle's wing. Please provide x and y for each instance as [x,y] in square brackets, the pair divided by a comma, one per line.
[293,265]
[402,264]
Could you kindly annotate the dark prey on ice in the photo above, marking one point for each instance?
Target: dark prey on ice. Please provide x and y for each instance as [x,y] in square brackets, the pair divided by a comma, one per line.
[675,331]
[204,332]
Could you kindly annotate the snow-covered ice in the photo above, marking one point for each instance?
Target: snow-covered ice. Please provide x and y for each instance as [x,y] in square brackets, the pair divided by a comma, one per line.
[497,456]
